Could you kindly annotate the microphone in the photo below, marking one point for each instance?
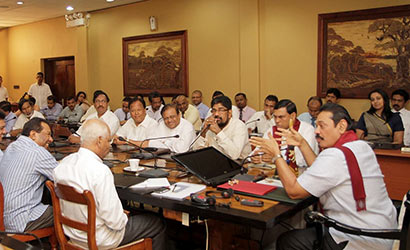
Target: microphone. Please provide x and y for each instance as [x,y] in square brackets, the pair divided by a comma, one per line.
[155,138]
[150,150]
[245,170]
[252,121]
[197,137]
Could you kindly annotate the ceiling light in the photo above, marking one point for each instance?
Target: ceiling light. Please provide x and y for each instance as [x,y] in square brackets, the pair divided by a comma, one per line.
[69,8]
[20,2]
[109,1]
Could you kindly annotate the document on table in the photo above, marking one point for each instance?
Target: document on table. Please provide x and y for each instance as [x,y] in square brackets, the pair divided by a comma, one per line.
[272,182]
[179,190]
[152,183]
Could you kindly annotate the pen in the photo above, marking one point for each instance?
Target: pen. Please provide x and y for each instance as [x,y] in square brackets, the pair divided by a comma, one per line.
[173,189]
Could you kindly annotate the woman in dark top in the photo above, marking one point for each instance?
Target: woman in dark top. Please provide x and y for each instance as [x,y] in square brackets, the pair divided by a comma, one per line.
[379,123]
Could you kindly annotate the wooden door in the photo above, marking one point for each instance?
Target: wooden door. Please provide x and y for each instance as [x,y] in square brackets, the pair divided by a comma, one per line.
[60,75]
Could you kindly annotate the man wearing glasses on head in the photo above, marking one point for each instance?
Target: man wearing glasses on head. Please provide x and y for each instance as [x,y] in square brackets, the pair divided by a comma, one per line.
[221,131]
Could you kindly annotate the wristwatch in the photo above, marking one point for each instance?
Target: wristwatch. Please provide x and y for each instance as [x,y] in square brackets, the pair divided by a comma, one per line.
[276,157]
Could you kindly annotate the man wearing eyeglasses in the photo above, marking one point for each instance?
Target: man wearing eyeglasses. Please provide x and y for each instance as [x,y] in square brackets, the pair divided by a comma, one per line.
[101,101]
[221,131]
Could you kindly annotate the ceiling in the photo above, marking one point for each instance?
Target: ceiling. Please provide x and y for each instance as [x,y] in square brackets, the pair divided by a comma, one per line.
[12,14]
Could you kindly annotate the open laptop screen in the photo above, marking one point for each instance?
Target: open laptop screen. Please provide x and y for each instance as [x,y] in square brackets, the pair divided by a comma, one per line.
[208,164]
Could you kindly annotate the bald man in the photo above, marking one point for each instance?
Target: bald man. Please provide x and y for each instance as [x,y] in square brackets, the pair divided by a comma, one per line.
[188,112]
[84,170]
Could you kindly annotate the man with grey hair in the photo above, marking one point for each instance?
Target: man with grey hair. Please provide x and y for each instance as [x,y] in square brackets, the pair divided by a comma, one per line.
[84,170]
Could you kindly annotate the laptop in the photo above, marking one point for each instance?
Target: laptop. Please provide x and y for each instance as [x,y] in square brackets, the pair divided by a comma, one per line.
[209,165]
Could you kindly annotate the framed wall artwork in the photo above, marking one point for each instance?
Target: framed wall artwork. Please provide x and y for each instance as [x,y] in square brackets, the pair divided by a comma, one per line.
[156,62]
[359,51]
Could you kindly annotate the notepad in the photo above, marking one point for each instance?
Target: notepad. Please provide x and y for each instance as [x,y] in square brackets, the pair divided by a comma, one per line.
[249,187]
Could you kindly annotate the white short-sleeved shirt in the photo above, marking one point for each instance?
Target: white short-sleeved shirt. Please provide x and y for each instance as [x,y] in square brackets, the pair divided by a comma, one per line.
[232,140]
[263,124]
[156,115]
[40,93]
[329,179]
[137,133]
[84,170]
[22,119]
[3,93]
[186,133]
[108,117]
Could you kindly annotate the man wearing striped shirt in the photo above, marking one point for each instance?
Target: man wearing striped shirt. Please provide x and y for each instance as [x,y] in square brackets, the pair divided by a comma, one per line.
[25,167]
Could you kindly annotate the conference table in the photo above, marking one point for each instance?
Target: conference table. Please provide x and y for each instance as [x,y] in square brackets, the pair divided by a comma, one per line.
[395,166]
[222,221]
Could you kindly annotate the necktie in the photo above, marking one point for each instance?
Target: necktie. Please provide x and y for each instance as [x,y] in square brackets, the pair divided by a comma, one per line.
[312,121]
[240,114]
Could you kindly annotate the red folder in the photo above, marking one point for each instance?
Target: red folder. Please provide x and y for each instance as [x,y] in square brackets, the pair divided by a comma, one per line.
[249,187]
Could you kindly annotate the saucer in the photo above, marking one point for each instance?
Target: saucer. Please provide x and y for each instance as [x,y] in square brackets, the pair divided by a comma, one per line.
[128,169]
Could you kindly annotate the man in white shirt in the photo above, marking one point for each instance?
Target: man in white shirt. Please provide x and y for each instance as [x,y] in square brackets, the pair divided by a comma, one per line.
[196,98]
[399,99]
[245,112]
[27,113]
[85,170]
[52,110]
[11,118]
[188,112]
[154,110]
[285,116]
[72,113]
[172,125]
[138,128]
[123,113]
[101,101]
[261,121]
[223,132]
[4,95]
[40,91]
[314,104]
[329,179]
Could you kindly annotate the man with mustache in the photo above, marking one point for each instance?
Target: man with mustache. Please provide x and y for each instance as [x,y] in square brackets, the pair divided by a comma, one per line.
[101,101]
[332,95]
[345,176]
[27,113]
[399,99]
[223,132]
[285,117]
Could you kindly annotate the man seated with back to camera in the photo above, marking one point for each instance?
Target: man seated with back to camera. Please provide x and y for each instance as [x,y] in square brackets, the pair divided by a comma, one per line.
[138,128]
[171,125]
[85,170]
[365,204]
[285,114]
[223,132]
[72,113]
[103,113]
[261,121]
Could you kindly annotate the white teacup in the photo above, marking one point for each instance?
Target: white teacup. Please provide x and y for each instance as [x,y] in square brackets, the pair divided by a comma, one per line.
[134,164]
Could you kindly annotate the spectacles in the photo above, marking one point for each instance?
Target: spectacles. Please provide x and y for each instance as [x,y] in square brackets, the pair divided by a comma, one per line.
[221,110]
[100,101]
[172,117]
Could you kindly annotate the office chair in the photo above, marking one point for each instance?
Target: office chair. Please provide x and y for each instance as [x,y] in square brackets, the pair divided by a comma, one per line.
[68,193]
[40,233]
[402,234]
